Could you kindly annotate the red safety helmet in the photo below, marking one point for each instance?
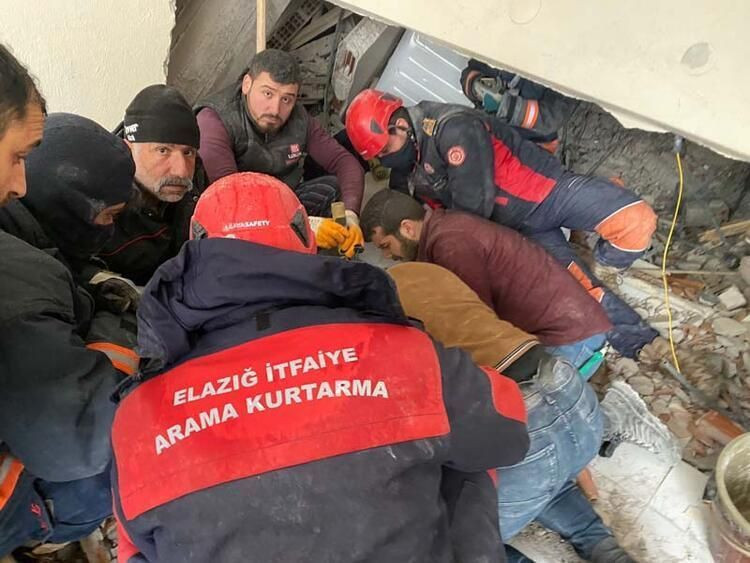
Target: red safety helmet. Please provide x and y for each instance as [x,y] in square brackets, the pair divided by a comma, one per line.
[256,208]
[367,121]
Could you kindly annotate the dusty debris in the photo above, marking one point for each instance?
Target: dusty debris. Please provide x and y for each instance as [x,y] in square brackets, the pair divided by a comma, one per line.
[725,326]
[745,269]
[732,298]
[625,367]
[643,384]
[730,229]
[715,427]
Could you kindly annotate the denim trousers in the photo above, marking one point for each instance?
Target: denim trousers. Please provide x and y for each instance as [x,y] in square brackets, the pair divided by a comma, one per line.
[565,427]
[580,352]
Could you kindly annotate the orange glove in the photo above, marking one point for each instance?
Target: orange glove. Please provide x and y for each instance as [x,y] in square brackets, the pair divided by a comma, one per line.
[328,233]
[353,243]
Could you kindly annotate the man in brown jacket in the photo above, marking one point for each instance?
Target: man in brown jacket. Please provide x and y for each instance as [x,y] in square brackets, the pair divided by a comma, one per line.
[518,279]
[559,403]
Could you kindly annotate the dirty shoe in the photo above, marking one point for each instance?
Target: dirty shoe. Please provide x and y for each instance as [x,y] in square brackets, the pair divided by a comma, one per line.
[627,419]
[609,551]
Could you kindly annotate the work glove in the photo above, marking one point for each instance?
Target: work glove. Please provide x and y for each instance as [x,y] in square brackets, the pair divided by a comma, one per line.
[113,293]
[115,336]
[329,234]
[354,242]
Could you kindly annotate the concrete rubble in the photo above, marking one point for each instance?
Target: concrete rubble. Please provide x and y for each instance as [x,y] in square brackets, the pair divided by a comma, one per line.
[711,331]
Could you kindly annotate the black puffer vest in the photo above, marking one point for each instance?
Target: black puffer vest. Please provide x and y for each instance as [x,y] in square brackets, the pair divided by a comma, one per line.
[280,154]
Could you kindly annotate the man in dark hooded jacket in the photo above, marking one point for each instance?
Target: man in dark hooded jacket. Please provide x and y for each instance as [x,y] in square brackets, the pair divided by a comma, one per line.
[58,361]
[285,398]
[161,130]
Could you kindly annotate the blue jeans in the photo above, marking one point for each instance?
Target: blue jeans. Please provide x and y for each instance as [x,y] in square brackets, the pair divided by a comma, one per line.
[580,352]
[54,512]
[565,427]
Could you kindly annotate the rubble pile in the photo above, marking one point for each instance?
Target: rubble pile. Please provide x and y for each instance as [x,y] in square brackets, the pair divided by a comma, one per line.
[709,281]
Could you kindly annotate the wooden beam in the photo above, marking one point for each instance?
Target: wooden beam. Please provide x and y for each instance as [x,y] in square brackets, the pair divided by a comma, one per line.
[728,230]
[260,26]
[314,28]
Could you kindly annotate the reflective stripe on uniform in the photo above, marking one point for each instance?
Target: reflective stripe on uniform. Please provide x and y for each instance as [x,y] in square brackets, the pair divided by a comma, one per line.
[596,292]
[124,359]
[532,114]
[10,472]
[629,228]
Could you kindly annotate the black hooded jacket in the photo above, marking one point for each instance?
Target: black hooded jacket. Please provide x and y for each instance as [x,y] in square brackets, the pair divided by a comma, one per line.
[55,407]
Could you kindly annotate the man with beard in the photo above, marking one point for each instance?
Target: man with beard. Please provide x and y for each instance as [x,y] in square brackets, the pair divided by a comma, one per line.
[60,360]
[521,282]
[162,133]
[258,125]
[459,158]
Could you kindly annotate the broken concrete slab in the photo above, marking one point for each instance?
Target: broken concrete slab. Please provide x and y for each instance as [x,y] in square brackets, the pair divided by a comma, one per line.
[626,367]
[732,298]
[642,384]
[726,326]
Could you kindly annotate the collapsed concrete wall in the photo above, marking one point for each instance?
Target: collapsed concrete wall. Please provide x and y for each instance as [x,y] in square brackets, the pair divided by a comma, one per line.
[596,142]
[666,65]
[212,42]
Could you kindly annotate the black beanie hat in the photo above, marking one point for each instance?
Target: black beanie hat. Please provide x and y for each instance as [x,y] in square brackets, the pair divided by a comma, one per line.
[160,114]
[79,169]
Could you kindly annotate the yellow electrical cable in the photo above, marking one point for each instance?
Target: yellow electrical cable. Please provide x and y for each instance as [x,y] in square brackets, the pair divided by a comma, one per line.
[664,262]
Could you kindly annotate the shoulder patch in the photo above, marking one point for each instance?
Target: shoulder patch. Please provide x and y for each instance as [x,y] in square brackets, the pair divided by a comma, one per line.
[456,155]
[428,126]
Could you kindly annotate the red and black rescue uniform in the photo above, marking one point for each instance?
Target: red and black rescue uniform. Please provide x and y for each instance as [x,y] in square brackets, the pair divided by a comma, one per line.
[471,161]
[289,411]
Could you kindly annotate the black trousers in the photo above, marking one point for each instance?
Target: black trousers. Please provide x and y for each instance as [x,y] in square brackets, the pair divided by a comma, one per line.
[318,194]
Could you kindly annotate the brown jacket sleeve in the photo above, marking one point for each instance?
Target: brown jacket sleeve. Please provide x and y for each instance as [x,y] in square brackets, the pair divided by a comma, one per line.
[454,315]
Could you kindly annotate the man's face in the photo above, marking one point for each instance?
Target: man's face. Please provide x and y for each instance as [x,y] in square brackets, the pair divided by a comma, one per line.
[269,103]
[396,246]
[165,170]
[397,137]
[19,139]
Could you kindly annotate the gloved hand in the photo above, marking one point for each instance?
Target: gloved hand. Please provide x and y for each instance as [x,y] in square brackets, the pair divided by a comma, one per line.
[353,243]
[328,233]
[114,293]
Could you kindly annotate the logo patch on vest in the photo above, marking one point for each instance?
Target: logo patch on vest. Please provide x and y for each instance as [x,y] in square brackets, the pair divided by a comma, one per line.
[456,155]
[428,168]
[294,152]
[428,126]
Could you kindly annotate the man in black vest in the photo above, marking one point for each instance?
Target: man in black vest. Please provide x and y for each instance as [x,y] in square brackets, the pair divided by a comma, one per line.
[258,125]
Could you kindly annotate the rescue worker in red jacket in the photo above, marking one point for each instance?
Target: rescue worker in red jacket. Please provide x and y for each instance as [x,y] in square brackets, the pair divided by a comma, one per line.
[460,158]
[286,399]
